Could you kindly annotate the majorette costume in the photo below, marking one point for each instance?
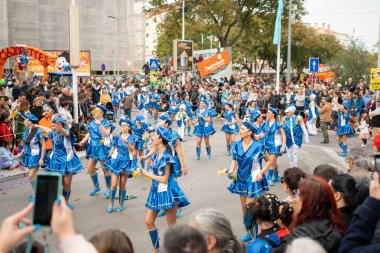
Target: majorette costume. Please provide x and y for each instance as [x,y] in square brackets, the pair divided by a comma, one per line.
[203,128]
[344,127]
[230,126]
[32,153]
[155,104]
[143,101]
[98,147]
[273,144]
[139,131]
[249,165]
[294,131]
[164,196]
[121,162]
[173,109]
[312,117]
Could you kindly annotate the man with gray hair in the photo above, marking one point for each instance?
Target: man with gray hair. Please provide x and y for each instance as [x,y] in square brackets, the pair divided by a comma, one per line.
[356,154]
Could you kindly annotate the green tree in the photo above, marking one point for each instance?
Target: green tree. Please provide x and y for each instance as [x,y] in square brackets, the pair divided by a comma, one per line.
[353,61]
[227,20]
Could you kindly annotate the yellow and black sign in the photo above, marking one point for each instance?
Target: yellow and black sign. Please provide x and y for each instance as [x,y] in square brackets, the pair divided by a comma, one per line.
[375,79]
[153,77]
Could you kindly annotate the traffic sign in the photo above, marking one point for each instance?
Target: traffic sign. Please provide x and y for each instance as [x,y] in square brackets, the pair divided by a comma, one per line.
[153,64]
[313,64]
[375,79]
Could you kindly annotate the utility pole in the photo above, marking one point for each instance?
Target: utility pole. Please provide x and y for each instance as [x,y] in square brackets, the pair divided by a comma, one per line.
[183,37]
[289,56]
[74,52]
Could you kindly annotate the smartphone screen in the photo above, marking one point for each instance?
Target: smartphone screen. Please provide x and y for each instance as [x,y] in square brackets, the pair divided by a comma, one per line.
[46,193]
[377,163]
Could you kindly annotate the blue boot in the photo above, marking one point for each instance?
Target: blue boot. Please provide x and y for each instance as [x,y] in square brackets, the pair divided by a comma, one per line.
[66,195]
[189,131]
[95,181]
[276,176]
[122,195]
[155,119]
[179,211]
[208,149]
[228,150]
[270,176]
[154,238]
[344,153]
[113,195]
[341,145]
[107,192]
[198,149]
[161,213]
[33,184]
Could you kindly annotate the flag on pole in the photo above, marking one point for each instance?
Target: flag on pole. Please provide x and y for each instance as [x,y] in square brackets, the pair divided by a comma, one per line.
[277,29]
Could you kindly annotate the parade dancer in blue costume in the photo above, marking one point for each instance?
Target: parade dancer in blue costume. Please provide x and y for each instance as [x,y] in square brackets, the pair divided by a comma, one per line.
[156,104]
[165,193]
[63,159]
[98,147]
[139,128]
[182,120]
[177,153]
[203,129]
[344,129]
[230,128]
[115,100]
[32,156]
[295,130]
[275,141]
[189,112]
[247,157]
[173,109]
[121,162]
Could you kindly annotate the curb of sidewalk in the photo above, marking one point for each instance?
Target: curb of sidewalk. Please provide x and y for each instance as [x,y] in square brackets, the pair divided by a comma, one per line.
[81,155]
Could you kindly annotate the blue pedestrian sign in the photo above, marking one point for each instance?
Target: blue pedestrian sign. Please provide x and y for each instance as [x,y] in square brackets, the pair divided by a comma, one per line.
[313,65]
[153,64]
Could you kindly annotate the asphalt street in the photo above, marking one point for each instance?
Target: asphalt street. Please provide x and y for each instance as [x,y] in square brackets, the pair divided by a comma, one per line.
[203,186]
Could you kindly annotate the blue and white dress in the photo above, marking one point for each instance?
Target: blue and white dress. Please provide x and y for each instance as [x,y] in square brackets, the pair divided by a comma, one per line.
[156,103]
[249,165]
[344,127]
[95,148]
[143,100]
[121,161]
[177,165]
[273,138]
[139,132]
[115,98]
[293,131]
[210,107]
[203,128]
[33,150]
[189,110]
[63,159]
[229,128]
[173,110]
[165,196]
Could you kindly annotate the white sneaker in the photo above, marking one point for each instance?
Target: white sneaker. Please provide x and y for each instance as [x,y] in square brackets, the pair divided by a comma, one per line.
[363,145]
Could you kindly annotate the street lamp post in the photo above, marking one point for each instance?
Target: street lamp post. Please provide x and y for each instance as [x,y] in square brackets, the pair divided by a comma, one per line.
[289,56]
[183,37]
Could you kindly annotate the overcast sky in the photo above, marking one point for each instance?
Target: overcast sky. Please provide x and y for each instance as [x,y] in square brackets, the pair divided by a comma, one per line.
[347,16]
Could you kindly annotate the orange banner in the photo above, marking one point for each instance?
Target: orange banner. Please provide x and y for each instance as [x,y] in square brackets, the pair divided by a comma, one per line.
[213,63]
[62,60]
[324,72]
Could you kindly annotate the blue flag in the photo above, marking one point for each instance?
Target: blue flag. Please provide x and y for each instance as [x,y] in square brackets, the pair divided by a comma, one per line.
[277,29]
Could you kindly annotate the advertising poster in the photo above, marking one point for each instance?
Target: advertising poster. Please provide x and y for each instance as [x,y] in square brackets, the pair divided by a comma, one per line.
[375,79]
[183,55]
[62,63]
[325,73]
[213,63]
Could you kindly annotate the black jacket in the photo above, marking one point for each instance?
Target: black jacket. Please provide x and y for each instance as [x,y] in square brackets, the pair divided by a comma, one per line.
[360,232]
[321,231]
